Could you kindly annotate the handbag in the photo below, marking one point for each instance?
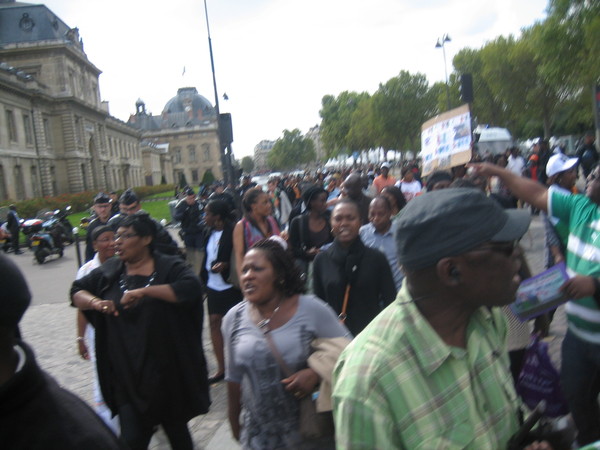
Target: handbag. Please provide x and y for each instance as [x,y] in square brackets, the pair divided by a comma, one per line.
[313,424]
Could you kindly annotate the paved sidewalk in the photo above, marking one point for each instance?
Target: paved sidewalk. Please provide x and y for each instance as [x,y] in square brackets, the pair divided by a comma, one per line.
[50,330]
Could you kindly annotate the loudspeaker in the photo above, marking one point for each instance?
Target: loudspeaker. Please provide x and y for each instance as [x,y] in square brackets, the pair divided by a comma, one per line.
[466,87]
[225,129]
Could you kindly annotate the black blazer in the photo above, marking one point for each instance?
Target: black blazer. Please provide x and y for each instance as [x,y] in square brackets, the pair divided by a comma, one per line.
[223,254]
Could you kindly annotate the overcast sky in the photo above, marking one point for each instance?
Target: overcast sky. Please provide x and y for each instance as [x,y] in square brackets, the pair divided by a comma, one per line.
[276,59]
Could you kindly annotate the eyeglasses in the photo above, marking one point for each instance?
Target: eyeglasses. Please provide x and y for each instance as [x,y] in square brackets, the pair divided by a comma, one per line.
[506,248]
[124,236]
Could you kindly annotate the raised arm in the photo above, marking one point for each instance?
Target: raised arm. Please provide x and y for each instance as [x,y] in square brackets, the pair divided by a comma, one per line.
[523,188]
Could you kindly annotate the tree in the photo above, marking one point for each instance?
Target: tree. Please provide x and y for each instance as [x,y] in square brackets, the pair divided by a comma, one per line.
[336,114]
[361,135]
[208,178]
[247,164]
[400,106]
[291,151]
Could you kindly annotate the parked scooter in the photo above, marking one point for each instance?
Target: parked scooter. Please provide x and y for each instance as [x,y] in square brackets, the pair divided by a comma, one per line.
[48,233]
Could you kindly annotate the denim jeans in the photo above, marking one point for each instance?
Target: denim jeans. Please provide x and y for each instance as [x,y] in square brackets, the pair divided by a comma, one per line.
[580,376]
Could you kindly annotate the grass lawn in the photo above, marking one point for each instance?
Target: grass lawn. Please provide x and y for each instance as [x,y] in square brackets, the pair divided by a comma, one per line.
[165,194]
[158,210]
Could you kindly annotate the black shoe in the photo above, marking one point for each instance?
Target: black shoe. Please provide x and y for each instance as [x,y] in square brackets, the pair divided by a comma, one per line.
[216,378]
[19,252]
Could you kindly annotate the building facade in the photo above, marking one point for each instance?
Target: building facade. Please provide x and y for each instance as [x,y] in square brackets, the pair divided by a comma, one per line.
[261,151]
[187,130]
[56,135]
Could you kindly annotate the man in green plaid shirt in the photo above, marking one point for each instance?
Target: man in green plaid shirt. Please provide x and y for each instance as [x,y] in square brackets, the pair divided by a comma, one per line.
[431,371]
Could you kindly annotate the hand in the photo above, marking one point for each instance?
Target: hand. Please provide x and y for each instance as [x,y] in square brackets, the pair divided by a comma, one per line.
[83,350]
[105,307]
[284,235]
[132,298]
[578,287]
[312,251]
[219,267]
[484,169]
[302,383]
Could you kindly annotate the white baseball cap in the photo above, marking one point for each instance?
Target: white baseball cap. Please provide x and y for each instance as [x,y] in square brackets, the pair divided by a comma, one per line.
[559,163]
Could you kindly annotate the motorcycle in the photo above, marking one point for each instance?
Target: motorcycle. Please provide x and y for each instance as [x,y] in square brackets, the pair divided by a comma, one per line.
[48,232]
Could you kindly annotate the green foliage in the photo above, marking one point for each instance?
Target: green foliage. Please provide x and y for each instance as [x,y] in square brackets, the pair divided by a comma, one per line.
[247,164]
[401,105]
[208,177]
[291,151]
[81,201]
[336,114]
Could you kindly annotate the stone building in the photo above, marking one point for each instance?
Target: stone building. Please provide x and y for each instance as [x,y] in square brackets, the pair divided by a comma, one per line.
[261,151]
[56,135]
[315,134]
[187,128]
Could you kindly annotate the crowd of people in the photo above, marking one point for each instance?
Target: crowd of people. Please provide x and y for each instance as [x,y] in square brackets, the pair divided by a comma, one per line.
[376,295]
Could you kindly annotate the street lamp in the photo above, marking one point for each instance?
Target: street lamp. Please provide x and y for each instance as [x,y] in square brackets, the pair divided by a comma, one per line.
[441,43]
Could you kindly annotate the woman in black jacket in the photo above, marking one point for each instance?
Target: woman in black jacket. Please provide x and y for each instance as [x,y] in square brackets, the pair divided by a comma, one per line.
[310,231]
[218,275]
[146,308]
[349,269]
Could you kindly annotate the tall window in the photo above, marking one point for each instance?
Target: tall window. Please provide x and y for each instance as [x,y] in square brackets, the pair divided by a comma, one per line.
[206,151]
[27,127]
[192,152]
[47,132]
[176,155]
[195,176]
[10,125]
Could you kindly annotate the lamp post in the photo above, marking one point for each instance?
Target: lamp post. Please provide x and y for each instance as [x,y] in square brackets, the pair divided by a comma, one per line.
[224,148]
[441,43]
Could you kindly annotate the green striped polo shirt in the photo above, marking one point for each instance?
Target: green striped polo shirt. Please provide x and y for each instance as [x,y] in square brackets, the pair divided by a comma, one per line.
[583,257]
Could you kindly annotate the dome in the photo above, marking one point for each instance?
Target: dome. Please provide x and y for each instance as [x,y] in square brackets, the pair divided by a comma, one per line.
[189,101]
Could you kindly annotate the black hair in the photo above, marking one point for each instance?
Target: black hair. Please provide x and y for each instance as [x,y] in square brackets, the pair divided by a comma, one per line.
[100,230]
[396,192]
[288,276]
[436,177]
[250,198]
[348,201]
[384,199]
[220,208]
[142,224]
[310,193]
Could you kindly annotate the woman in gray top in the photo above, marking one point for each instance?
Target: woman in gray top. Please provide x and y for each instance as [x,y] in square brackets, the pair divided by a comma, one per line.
[272,285]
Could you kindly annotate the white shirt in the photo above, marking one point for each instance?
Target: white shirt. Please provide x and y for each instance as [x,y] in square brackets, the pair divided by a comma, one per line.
[515,164]
[215,280]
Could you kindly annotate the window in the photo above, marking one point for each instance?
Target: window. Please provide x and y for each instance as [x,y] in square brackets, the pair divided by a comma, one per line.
[206,149]
[10,125]
[27,127]
[47,132]
[78,136]
[176,155]
[192,152]
[194,176]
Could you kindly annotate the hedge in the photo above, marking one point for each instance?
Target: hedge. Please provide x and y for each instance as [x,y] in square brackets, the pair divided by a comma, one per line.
[79,202]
